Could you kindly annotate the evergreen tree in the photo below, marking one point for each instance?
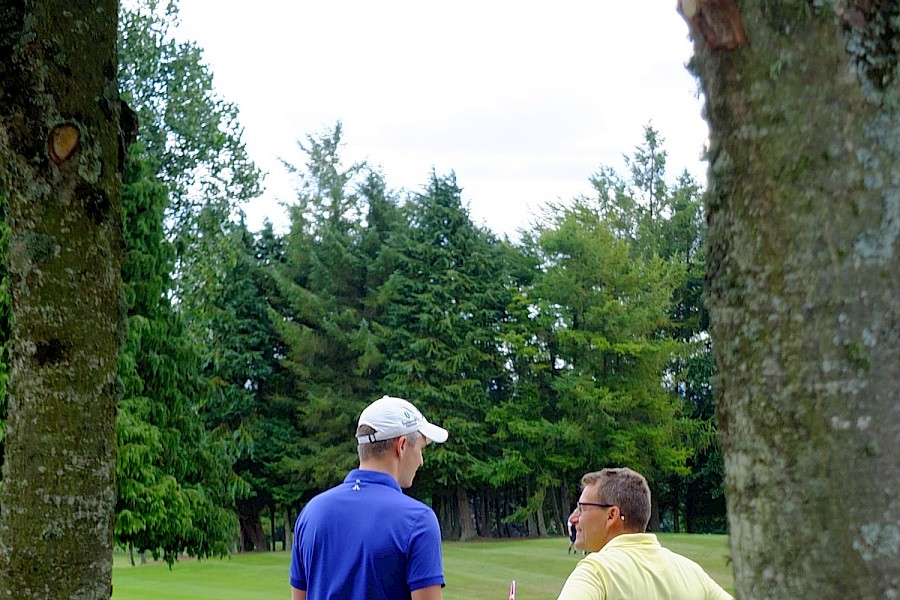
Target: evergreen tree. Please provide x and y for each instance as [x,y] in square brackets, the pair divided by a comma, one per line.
[321,295]
[538,442]
[673,230]
[181,414]
[439,328]
[174,481]
[240,363]
[191,138]
[607,307]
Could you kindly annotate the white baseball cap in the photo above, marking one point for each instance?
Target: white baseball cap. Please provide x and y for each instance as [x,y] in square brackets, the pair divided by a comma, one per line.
[392,417]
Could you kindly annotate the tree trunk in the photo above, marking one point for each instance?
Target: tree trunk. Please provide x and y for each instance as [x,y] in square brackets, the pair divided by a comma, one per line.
[541,522]
[499,503]
[446,509]
[803,290]
[566,506]
[689,508]
[676,504]
[653,524]
[484,512]
[557,513]
[60,174]
[530,521]
[467,523]
[252,535]
[288,530]
[272,535]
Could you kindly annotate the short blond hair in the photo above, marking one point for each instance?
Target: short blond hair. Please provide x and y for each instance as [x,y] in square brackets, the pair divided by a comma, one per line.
[376,449]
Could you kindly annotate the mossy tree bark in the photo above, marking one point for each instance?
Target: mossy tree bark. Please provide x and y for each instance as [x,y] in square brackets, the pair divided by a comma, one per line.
[61,153]
[804,287]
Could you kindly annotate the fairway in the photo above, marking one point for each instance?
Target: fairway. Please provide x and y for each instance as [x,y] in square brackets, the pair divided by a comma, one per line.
[479,570]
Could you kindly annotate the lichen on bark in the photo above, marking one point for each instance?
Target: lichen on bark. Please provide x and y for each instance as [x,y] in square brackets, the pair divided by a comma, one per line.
[60,174]
[803,295]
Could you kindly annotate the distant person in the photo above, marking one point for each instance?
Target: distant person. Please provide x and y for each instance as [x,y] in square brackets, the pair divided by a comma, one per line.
[625,562]
[365,539]
[571,537]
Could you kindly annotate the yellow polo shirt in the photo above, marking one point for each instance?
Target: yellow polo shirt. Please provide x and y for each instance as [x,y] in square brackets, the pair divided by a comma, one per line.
[635,566]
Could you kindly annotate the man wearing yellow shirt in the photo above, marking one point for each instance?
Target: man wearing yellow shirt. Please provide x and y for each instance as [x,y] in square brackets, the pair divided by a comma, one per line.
[625,562]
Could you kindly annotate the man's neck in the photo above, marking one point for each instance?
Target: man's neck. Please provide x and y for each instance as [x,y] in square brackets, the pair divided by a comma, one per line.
[383,465]
[616,532]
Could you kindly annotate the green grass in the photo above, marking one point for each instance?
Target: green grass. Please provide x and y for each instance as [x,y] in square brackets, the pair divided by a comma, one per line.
[484,569]
[241,577]
[474,570]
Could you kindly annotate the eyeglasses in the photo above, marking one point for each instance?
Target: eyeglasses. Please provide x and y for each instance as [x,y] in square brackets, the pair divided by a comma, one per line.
[580,505]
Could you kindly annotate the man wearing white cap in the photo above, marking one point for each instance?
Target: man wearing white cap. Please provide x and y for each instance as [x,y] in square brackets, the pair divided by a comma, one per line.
[365,539]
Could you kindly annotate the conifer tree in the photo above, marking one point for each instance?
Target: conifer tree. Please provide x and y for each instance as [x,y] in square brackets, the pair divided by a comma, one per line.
[439,330]
[607,306]
[173,480]
[663,219]
[191,137]
[322,295]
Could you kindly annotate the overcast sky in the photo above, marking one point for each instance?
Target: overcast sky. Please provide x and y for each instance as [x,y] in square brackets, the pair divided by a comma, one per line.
[523,99]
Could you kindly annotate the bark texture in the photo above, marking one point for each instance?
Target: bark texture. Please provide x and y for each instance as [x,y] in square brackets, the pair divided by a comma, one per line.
[466,519]
[60,173]
[251,531]
[804,293]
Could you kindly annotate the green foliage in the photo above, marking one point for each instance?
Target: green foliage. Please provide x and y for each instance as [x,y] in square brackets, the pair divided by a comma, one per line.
[229,315]
[329,361]
[565,353]
[440,312]
[583,346]
[173,483]
[607,306]
[673,232]
[187,418]
[192,139]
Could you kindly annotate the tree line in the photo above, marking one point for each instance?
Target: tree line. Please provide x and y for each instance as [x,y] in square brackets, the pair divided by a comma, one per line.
[802,102]
[249,355]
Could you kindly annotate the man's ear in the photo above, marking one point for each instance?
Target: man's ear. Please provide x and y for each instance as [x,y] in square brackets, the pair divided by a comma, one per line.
[613,516]
[400,445]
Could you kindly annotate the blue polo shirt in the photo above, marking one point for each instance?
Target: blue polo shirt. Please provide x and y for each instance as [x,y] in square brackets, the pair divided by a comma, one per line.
[365,540]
